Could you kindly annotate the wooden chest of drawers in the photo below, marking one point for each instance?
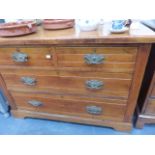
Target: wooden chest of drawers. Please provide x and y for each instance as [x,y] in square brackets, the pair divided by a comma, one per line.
[92,81]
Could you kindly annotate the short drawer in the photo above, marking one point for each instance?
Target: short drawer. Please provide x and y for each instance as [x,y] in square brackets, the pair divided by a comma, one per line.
[68,105]
[108,59]
[90,86]
[27,57]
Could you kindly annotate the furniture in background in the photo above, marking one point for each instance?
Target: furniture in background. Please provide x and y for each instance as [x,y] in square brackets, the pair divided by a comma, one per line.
[149,23]
[86,77]
[146,101]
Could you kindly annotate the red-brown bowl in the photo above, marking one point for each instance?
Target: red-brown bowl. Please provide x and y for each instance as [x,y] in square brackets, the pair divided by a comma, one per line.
[17,28]
[55,24]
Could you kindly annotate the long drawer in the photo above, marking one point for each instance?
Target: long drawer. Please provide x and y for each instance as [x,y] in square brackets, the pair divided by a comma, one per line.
[108,59]
[96,86]
[27,57]
[70,105]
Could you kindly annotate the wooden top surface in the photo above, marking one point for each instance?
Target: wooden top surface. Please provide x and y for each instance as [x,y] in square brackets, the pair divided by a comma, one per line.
[141,34]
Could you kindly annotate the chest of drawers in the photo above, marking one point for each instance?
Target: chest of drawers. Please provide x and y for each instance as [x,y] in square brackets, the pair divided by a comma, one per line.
[90,80]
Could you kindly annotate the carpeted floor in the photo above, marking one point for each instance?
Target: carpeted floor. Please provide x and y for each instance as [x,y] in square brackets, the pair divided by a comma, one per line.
[13,126]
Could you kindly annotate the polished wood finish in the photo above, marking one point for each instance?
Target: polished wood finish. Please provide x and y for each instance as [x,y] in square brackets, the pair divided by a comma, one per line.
[150,110]
[117,125]
[118,88]
[73,36]
[36,57]
[142,57]
[67,105]
[56,60]
[62,72]
[116,59]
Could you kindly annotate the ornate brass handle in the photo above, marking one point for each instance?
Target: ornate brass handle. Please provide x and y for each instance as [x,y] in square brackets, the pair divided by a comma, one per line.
[35,103]
[95,110]
[94,84]
[94,59]
[20,57]
[29,81]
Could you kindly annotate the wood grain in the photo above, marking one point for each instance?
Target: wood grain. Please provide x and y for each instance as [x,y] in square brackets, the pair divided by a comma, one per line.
[63,72]
[75,37]
[117,59]
[61,80]
[150,109]
[36,56]
[60,105]
[144,119]
[117,125]
[142,58]
[111,87]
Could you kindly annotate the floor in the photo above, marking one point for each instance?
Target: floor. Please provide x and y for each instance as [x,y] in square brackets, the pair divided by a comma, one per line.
[28,126]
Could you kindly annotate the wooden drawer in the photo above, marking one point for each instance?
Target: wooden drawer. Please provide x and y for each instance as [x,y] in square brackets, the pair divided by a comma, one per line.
[69,105]
[150,107]
[60,72]
[91,86]
[108,59]
[153,91]
[152,87]
[27,57]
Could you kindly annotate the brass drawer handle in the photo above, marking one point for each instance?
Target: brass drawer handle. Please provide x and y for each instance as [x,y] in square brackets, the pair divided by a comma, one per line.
[35,103]
[94,59]
[95,110]
[94,84]
[20,57]
[29,81]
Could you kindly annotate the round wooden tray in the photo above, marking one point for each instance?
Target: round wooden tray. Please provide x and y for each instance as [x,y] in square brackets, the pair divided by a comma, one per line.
[17,28]
[55,24]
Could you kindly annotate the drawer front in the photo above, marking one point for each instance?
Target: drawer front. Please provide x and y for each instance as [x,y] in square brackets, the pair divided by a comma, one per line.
[27,57]
[152,87]
[70,106]
[105,87]
[153,92]
[70,73]
[150,108]
[109,59]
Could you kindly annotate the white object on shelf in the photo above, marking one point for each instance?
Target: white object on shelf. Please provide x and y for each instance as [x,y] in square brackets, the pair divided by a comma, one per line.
[87,24]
